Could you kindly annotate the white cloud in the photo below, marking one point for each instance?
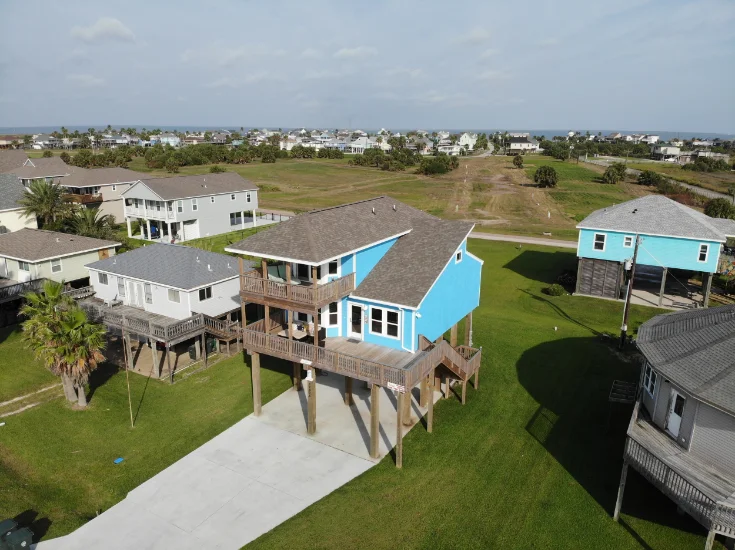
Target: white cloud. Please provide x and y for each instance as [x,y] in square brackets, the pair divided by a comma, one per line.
[311,53]
[105,28]
[224,82]
[358,52]
[85,80]
[493,75]
[490,52]
[478,35]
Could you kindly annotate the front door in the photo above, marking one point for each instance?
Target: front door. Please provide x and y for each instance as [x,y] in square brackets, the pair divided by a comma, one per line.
[675,413]
[355,321]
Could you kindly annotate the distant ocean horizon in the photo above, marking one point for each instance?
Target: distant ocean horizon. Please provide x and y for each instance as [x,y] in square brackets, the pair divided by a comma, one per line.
[548,133]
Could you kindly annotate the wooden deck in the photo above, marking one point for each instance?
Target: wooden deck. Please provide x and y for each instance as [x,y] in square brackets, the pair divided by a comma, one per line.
[370,352]
[699,487]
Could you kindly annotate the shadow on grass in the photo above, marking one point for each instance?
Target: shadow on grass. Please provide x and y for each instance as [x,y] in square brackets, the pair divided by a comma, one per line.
[559,311]
[100,376]
[30,519]
[570,379]
[544,266]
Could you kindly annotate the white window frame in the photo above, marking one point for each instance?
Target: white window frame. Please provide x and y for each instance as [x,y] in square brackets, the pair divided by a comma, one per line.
[628,241]
[206,290]
[180,207]
[24,266]
[61,267]
[649,379]
[604,242]
[148,293]
[211,199]
[121,288]
[114,187]
[194,205]
[232,197]
[102,278]
[175,293]
[326,315]
[706,253]
[384,322]
[458,256]
[247,196]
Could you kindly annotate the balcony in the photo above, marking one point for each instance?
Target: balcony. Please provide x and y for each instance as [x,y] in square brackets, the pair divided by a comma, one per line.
[150,213]
[296,296]
[84,199]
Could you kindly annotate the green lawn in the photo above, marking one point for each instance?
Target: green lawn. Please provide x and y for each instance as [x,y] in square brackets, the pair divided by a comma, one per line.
[529,462]
[19,375]
[58,462]
[716,181]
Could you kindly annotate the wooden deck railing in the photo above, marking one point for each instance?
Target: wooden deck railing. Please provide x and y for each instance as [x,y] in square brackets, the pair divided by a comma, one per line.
[254,284]
[12,292]
[230,329]
[80,293]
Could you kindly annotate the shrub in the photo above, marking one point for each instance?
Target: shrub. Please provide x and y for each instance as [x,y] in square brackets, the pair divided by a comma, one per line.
[650,178]
[518,161]
[545,176]
[47,154]
[216,169]
[66,157]
[555,290]
[719,208]
[706,164]
[620,168]
[611,175]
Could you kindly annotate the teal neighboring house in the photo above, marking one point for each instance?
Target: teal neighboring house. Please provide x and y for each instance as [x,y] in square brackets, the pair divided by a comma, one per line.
[366,290]
[672,237]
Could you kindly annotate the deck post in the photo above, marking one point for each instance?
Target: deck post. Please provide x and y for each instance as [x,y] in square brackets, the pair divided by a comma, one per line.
[168,362]
[288,284]
[707,289]
[424,388]
[130,352]
[311,404]
[407,407]
[264,267]
[464,391]
[430,404]
[204,348]
[399,430]
[709,543]
[453,336]
[476,383]
[375,421]
[255,374]
[663,287]
[448,389]
[297,376]
[348,391]
[154,356]
[468,329]
[621,490]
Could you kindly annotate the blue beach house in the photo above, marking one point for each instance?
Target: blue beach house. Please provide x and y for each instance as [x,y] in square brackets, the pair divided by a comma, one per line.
[675,241]
[366,290]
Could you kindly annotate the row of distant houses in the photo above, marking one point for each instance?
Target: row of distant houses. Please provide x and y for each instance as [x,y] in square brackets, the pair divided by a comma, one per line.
[673,153]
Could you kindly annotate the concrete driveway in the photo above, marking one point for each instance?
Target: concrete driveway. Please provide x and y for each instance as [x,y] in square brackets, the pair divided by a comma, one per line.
[250,478]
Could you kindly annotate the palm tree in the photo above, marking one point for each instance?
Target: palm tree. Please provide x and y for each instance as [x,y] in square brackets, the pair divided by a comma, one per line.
[89,223]
[45,201]
[62,338]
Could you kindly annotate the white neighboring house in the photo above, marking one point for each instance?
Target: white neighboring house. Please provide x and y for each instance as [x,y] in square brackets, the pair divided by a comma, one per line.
[12,217]
[468,141]
[30,254]
[650,139]
[521,145]
[190,207]
[665,152]
[171,280]
[449,148]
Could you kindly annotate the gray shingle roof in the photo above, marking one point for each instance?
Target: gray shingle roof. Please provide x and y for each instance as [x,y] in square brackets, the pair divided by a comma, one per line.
[319,235]
[659,215]
[90,177]
[695,350]
[173,265]
[33,245]
[11,159]
[409,268]
[183,187]
[42,168]
[11,191]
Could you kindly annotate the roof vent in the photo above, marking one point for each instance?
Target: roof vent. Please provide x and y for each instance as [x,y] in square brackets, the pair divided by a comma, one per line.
[197,259]
[394,208]
[373,210]
[209,267]
[58,240]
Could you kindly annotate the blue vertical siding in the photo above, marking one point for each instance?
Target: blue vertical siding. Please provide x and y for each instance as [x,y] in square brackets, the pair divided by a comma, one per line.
[455,294]
[404,320]
[654,250]
[368,258]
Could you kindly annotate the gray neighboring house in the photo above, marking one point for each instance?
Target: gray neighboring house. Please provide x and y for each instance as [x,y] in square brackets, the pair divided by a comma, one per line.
[48,169]
[189,207]
[30,254]
[12,217]
[681,437]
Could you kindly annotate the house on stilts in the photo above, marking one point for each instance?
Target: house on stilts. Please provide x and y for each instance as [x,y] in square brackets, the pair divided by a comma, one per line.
[681,437]
[366,290]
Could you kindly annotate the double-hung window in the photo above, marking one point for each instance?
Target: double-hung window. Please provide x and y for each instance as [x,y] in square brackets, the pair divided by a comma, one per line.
[703,253]
[180,206]
[649,380]
[56,265]
[173,296]
[205,293]
[333,315]
[211,199]
[628,241]
[334,267]
[384,322]
[24,266]
[148,293]
[599,243]
[247,197]
[194,205]
[102,278]
[120,287]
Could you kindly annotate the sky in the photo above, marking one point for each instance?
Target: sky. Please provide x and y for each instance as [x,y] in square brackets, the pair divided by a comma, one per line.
[666,65]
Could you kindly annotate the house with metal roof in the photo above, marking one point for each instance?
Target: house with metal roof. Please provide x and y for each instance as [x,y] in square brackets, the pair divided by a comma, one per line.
[30,254]
[12,215]
[681,437]
[673,240]
[182,208]
[366,290]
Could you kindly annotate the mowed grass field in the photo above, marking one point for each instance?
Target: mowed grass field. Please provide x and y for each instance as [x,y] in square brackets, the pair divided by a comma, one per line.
[530,461]
[716,181]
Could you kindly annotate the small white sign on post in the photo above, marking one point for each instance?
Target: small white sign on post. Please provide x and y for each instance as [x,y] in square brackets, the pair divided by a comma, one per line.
[305,362]
[396,387]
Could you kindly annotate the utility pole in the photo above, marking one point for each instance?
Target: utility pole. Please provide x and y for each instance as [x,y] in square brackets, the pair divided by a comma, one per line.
[624,328]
